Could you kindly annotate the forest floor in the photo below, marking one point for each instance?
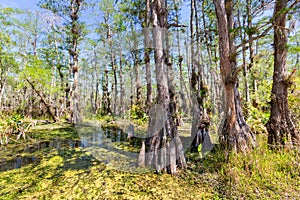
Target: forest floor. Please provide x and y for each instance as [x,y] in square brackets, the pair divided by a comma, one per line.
[54,165]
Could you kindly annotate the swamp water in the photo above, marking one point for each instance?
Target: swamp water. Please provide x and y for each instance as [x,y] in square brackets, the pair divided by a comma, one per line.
[116,147]
[111,146]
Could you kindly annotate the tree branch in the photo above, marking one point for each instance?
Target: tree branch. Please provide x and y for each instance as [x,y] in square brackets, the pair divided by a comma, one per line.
[269,28]
[176,25]
[55,118]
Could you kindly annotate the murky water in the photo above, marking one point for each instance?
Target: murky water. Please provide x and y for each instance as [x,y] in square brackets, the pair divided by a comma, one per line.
[89,137]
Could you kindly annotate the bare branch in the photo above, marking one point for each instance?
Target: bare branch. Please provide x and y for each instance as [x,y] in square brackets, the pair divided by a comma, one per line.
[176,25]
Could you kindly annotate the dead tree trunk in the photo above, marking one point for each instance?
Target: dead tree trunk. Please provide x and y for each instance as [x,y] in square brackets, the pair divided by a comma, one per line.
[281,128]
[47,105]
[236,134]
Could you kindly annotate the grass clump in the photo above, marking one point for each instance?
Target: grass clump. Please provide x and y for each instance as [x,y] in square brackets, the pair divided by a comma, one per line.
[262,174]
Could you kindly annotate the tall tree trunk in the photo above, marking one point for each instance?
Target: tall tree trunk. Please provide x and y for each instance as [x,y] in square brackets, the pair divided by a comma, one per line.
[213,84]
[136,68]
[3,79]
[106,100]
[97,94]
[200,121]
[115,112]
[105,97]
[281,129]
[137,79]
[122,89]
[75,34]
[96,82]
[165,149]
[147,55]
[184,106]
[251,52]
[131,84]
[236,134]
[114,86]
[242,35]
[193,69]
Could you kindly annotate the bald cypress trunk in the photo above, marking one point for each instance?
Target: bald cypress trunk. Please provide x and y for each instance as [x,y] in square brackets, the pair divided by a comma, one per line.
[164,149]
[147,55]
[75,34]
[281,128]
[236,134]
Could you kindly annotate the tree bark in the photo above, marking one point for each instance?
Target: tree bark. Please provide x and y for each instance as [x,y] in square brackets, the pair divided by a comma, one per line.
[114,69]
[122,89]
[281,129]
[200,121]
[105,98]
[75,34]
[236,134]
[184,106]
[147,55]
[242,35]
[165,149]
[136,68]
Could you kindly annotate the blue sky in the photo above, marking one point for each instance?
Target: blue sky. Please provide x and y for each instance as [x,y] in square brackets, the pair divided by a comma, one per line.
[29,4]
[32,5]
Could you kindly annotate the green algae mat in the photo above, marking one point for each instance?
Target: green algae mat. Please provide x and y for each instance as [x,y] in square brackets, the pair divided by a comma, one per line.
[57,164]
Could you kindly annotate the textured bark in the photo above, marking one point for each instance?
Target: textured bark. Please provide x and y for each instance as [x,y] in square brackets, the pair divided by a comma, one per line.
[164,145]
[114,69]
[281,130]
[200,121]
[251,52]
[3,79]
[242,35]
[75,34]
[115,98]
[183,88]
[105,98]
[147,55]
[137,71]
[236,134]
[137,80]
[193,81]
[122,89]
[184,105]
[208,44]
[96,83]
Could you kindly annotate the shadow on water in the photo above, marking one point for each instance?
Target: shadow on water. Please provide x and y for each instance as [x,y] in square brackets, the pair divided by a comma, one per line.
[106,138]
[17,162]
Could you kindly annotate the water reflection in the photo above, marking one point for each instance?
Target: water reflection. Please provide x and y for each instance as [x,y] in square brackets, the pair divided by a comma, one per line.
[101,141]
[111,146]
